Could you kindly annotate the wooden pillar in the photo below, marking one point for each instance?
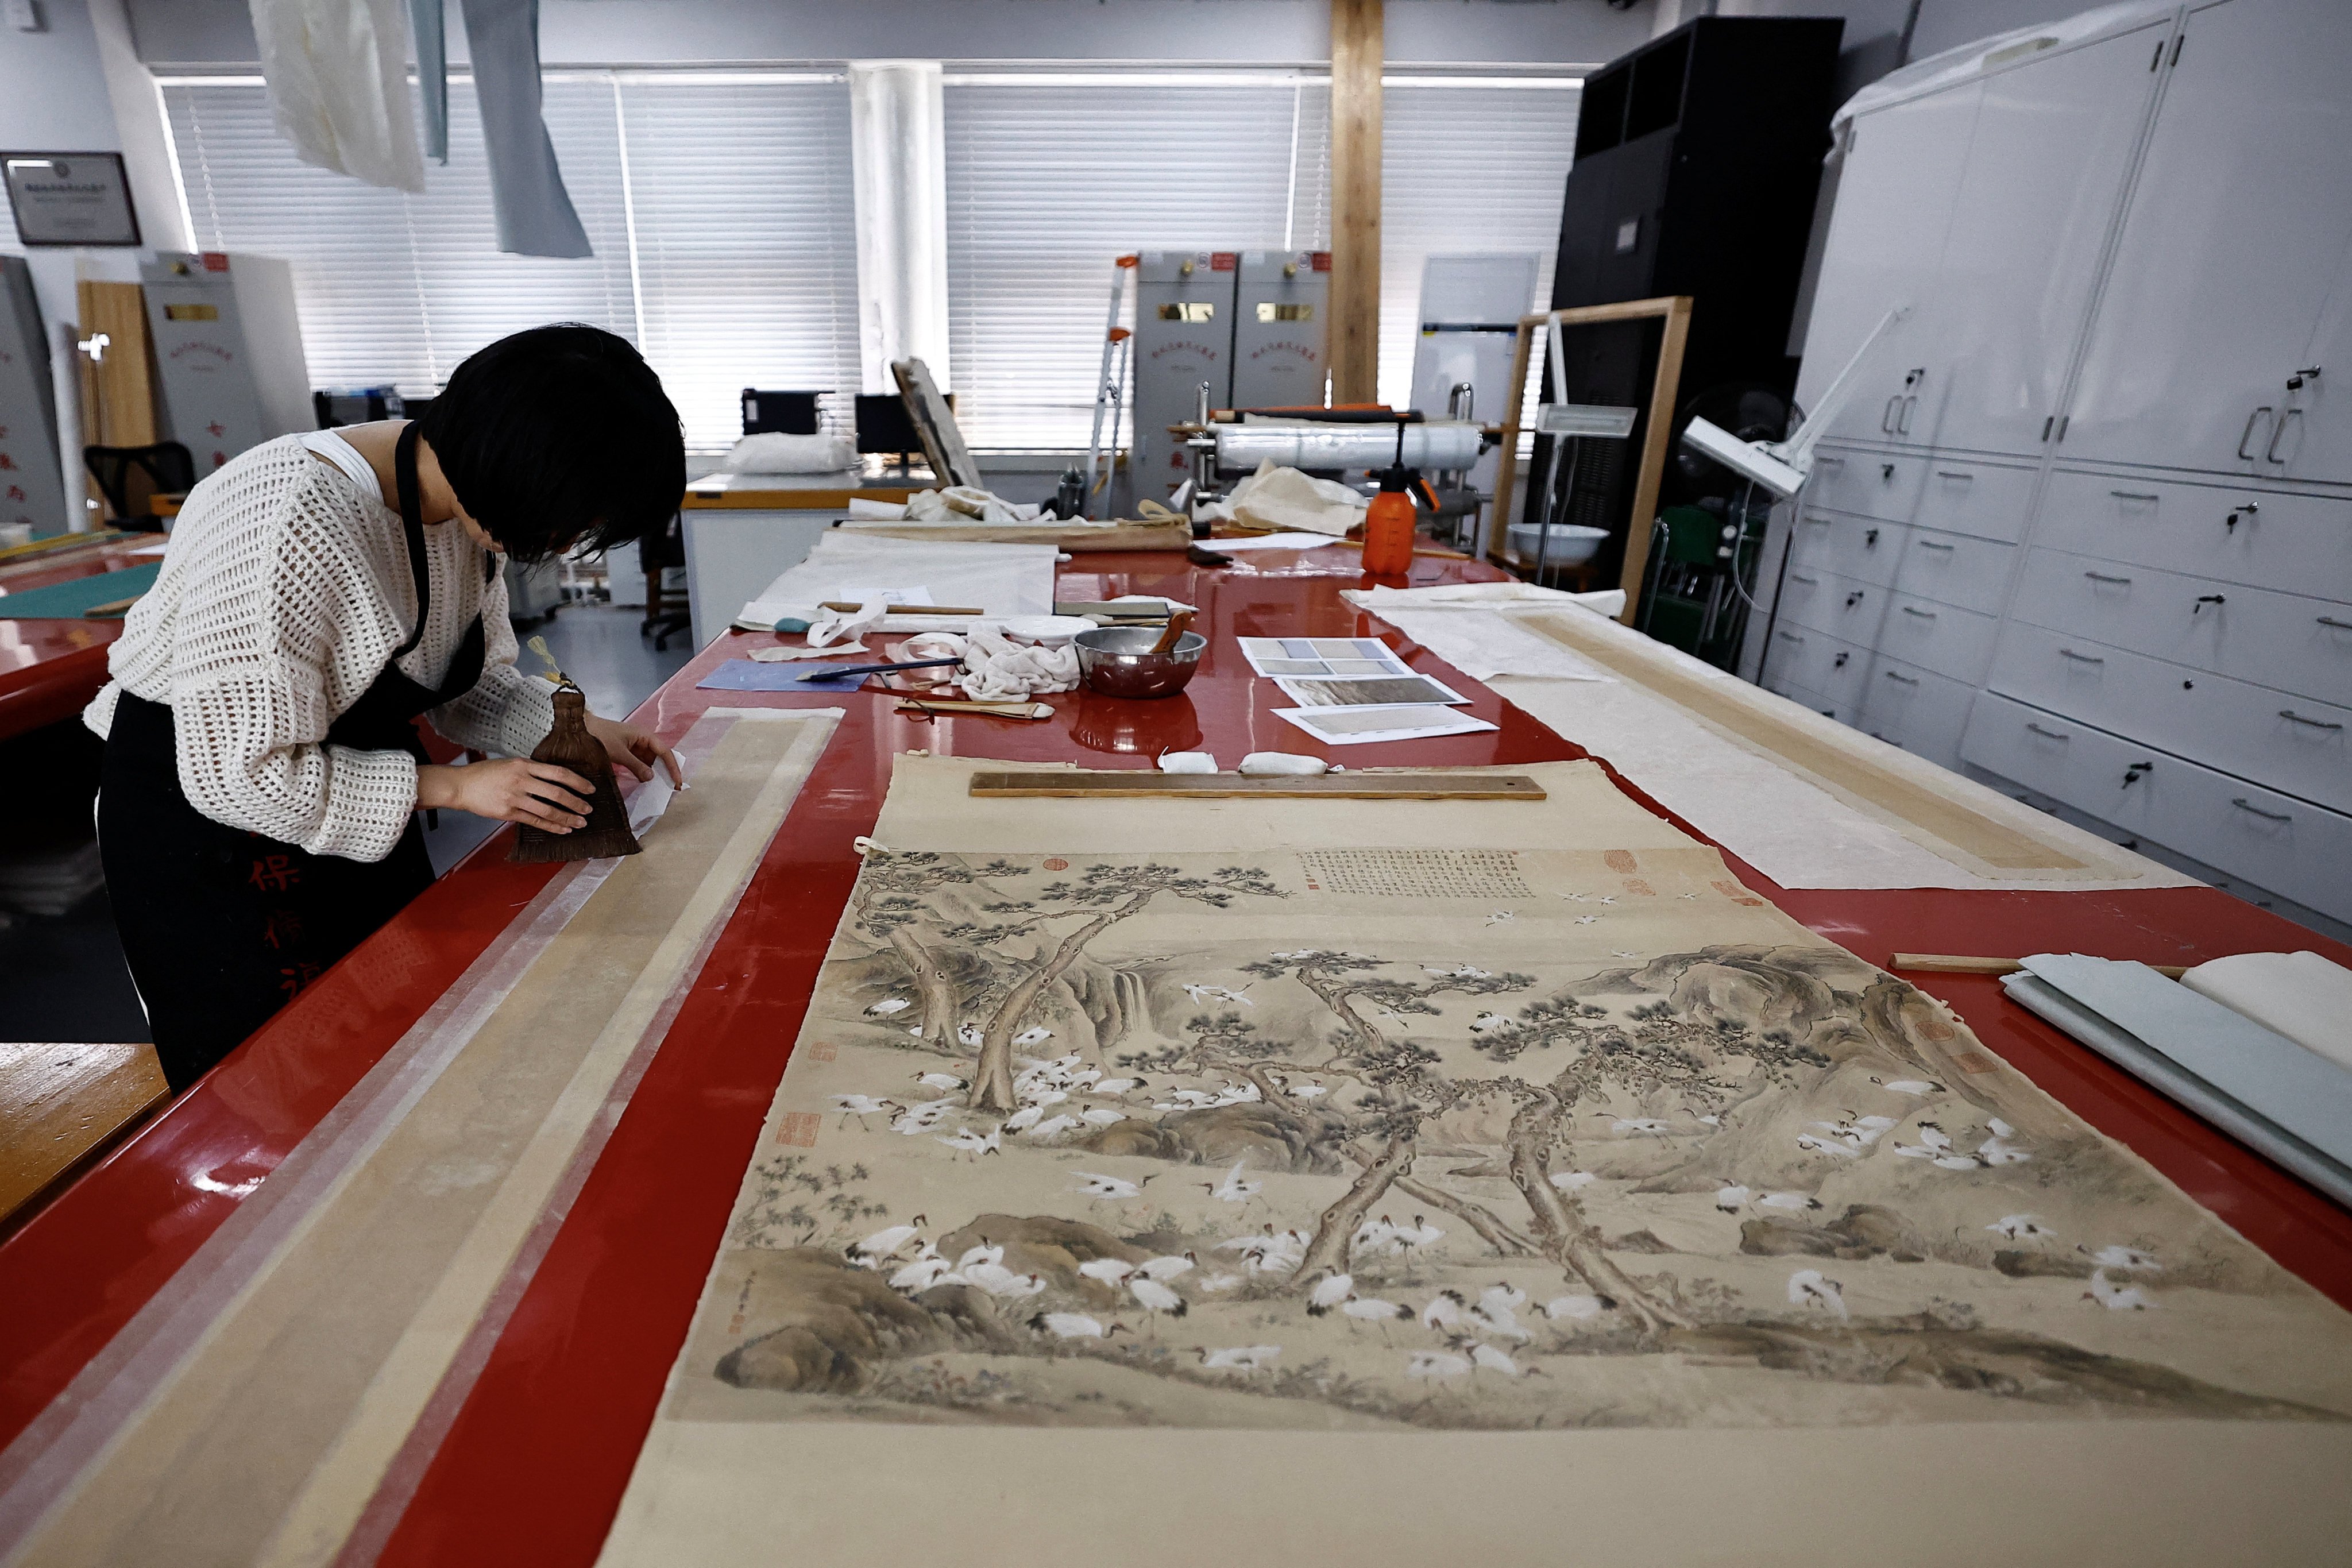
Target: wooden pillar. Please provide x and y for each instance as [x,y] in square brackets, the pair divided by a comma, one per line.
[1355,300]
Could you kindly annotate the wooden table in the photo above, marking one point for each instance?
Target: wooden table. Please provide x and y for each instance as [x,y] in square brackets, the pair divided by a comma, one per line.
[62,1106]
[50,669]
[534,1460]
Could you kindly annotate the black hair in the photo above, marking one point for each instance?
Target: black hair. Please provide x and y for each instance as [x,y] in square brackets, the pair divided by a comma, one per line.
[559,437]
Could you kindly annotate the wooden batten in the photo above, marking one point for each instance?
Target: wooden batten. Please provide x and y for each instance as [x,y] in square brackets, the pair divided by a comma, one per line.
[1354,340]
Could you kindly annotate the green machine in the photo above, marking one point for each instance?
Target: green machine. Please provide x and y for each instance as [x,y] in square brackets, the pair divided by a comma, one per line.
[1705,544]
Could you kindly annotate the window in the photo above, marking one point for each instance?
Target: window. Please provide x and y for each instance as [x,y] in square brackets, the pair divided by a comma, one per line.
[721,207]
[718,205]
[1467,164]
[1051,177]
[745,239]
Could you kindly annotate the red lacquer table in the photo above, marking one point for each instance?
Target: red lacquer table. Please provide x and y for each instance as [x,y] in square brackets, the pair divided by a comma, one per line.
[50,668]
[535,1465]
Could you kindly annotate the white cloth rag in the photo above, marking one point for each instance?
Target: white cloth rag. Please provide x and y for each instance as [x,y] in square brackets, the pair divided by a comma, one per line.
[965,503]
[337,72]
[841,626]
[1284,763]
[997,668]
[1287,500]
[1186,762]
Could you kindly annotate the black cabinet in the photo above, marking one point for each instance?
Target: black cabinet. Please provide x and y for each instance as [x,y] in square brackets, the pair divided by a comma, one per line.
[1698,159]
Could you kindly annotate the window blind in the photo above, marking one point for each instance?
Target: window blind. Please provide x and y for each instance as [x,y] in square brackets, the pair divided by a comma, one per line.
[718,205]
[1466,165]
[1049,179]
[396,288]
[744,215]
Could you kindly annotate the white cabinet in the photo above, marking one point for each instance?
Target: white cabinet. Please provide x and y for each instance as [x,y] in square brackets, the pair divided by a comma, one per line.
[2111,450]
[2029,222]
[1895,202]
[2237,233]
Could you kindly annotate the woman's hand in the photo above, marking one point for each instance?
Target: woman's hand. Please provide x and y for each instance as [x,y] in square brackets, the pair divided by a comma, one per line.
[513,789]
[635,750]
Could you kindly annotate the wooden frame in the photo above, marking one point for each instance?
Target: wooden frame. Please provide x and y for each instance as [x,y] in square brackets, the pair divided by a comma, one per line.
[1675,311]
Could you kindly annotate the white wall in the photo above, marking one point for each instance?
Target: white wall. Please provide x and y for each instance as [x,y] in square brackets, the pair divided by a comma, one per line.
[651,32]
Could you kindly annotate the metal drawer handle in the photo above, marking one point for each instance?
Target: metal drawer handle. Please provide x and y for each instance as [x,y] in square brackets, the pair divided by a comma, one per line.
[2247,435]
[1788,637]
[1825,460]
[2047,734]
[2105,577]
[1817,521]
[2332,621]
[1801,577]
[1931,544]
[1887,417]
[1906,680]
[2135,495]
[1922,614]
[2242,804]
[2079,657]
[1953,474]
[2290,713]
[2270,453]
[1910,405]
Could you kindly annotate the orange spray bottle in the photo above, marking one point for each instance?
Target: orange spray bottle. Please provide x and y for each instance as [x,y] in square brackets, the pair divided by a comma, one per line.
[1388,523]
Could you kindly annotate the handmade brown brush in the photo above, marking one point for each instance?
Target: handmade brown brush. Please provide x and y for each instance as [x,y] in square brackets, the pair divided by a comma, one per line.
[570,745]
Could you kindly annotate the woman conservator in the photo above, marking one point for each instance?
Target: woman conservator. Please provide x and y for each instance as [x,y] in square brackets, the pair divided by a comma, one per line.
[256,805]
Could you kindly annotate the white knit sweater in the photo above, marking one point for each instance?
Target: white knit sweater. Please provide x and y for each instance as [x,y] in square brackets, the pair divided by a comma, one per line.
[285,587]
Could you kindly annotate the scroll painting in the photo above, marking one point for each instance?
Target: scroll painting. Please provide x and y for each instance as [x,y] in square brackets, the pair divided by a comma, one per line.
[1338,1156]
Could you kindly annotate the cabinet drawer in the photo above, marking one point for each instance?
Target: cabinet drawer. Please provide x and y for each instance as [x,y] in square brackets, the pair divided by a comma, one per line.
[2284,641]
[1817,662]
[1867,484]
[1828,602]
[1947,639]
[1988,500]
[2293,745]
[1955,569]
[2280,844]
[1827,707]
[1915,709]
[2088,768]
[2293,543]
[1863,548]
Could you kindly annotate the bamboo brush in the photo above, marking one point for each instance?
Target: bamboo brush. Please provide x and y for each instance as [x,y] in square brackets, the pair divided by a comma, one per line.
[570,745]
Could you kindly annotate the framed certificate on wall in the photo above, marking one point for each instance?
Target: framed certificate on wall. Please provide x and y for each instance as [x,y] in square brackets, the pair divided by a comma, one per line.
[70,198]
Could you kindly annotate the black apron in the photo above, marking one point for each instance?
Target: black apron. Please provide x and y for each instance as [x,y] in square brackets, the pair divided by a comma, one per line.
[222,926]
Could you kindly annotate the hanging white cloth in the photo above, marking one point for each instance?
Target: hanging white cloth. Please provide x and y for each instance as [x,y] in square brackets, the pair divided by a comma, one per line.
[337,72]
[534,211]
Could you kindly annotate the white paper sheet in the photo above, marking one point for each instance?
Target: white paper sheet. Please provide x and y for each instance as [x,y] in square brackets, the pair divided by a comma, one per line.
[1001,579]
[1366,726]
[1269,541]
[1322,657]
[2299,994]
[1487,646]
[2306,1094]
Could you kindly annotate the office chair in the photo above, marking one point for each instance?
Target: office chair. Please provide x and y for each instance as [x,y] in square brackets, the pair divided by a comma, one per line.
[131,477]
[656,553]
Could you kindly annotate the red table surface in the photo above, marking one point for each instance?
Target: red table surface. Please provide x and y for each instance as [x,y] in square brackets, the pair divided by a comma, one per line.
[534,1466]
[51,668]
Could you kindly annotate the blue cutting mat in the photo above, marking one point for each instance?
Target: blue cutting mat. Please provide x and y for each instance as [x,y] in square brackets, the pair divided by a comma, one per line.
[750,675]
[68,600]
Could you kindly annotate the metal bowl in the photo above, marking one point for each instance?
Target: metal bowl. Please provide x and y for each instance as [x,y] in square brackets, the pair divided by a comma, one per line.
[1117,661]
